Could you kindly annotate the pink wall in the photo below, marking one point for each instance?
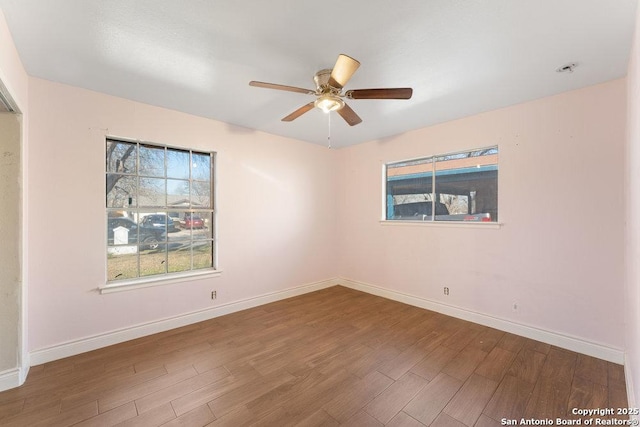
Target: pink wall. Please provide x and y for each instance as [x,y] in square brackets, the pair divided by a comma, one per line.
[559,252]
[275,196]
[632,243]
[293,213]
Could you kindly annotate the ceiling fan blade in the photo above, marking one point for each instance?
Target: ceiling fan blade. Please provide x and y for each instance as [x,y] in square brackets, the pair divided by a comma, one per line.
[281,87]
[300,111]
[395,93]
[349,115]
[343,70]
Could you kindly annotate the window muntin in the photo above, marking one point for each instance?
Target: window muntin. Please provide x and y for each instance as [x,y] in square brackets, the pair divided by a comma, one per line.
[462,186]
[160,213]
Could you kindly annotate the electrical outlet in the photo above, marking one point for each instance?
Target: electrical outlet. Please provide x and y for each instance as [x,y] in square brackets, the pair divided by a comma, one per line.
[446,290]
[214,295]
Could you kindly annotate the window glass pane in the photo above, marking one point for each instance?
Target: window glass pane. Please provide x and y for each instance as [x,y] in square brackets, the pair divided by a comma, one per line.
[179,257]
[201,223]
[151,237]
[178,193]
[157,225]
[122,263]
[151,161]
[194,221]
[177,164]
[200,194]
[182,233]
[409,190]
[122,228]
[121,157]
[467,186]
[174,221]
[152,192]
[122,191]
[153,259]
[202,254]
[201,167]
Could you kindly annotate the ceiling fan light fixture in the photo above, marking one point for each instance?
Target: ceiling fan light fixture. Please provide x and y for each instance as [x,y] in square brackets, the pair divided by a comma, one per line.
[329,91]
[329,102]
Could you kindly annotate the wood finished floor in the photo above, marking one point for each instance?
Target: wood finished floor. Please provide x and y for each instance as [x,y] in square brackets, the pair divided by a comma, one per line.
[328,358]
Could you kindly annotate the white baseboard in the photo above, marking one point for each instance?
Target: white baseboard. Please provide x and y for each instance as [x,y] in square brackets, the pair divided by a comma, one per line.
[560,340]
[71,348]
[24,370]
[83,345]
[10,379]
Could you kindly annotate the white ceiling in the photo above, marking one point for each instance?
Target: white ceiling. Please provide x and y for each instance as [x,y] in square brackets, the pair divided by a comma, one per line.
[461,57]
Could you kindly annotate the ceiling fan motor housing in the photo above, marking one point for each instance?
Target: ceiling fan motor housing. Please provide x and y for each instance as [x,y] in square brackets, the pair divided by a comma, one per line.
[322,79]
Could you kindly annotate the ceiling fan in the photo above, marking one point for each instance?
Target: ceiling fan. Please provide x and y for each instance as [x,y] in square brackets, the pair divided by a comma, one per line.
[329,94]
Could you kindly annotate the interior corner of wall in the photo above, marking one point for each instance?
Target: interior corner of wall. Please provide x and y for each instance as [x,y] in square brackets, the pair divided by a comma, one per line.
[632,401]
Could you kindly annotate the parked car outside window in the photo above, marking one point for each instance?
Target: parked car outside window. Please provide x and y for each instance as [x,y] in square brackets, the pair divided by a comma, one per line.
[161,221]
[192,221]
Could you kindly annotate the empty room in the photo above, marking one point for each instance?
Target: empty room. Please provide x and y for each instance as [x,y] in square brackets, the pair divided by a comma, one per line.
[365,213]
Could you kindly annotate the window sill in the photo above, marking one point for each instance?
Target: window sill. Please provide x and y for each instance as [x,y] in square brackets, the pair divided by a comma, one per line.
[147,282]
[446,224]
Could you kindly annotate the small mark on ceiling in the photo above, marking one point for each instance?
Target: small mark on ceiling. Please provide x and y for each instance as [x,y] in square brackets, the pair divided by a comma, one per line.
[567,68]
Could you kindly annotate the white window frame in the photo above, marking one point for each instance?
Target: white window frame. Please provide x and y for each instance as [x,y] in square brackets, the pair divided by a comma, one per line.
[433,222]
[167,277]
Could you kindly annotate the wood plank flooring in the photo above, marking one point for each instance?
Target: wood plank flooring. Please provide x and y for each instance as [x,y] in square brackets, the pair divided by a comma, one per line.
[328,358]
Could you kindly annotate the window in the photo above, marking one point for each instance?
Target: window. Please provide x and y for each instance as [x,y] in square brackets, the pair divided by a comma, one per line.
[462,186]
[160,210]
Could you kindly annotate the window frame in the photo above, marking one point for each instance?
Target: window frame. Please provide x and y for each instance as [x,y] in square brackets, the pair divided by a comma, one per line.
[166,277]
[433,222]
